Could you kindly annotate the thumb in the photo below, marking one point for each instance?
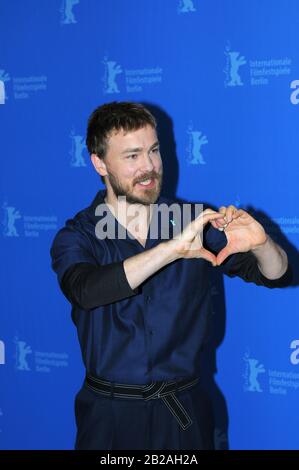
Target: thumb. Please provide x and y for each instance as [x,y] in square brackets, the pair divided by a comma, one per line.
[223,254]
[207,255]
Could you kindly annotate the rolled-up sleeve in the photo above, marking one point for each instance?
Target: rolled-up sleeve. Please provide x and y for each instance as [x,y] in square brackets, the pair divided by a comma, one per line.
[89,286]
[84,281]
[243,265]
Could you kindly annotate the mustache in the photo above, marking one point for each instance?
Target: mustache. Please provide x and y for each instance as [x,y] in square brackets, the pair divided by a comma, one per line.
[151,175]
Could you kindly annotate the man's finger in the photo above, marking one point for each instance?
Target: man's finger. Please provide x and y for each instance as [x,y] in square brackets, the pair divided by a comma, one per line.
[206,254]
[208,211]
[229,213]
[223,254]
[238,213]
[211,217]
[203,219]
[219,223]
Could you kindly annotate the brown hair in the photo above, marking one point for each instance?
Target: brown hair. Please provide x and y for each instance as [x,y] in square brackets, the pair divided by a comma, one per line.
[124,115]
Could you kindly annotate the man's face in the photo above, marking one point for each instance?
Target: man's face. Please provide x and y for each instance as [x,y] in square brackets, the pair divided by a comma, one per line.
[134,166]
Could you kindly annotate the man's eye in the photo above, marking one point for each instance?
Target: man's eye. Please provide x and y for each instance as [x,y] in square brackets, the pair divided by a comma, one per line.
[133,156]
[156,150]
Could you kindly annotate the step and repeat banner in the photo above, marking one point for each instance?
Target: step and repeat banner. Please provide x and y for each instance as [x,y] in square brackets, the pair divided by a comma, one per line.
[222,78]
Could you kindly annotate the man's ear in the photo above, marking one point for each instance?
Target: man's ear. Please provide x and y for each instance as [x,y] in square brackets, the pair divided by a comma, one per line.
[99,164]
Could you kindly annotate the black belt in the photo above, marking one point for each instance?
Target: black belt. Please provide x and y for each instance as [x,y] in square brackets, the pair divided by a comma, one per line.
[164,390]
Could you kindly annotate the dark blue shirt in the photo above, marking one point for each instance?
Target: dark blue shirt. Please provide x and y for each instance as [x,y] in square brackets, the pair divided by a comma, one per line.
[156,331]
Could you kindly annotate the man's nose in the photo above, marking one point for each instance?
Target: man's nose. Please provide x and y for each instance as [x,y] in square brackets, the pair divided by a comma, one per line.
[147,164]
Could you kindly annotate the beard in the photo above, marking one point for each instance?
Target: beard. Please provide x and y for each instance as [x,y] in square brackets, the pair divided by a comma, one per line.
[148,197]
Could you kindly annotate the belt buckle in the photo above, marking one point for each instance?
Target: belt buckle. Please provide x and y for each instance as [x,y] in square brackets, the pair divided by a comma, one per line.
[154,390]
[146,395]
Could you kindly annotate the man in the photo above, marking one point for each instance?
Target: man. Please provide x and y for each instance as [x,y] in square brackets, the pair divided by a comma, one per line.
[140,301]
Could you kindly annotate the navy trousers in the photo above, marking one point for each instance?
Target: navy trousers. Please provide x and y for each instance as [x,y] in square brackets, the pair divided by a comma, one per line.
[105,423]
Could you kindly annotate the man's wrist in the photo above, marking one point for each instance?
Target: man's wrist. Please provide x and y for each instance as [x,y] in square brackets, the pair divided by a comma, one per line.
[262,246]
[169,250]
[271,258]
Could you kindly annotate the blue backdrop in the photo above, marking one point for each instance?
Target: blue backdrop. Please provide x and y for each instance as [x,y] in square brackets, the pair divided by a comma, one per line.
[222,77]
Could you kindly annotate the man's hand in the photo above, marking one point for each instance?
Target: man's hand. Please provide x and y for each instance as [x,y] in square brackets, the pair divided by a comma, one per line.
[242,231]
[188,244]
